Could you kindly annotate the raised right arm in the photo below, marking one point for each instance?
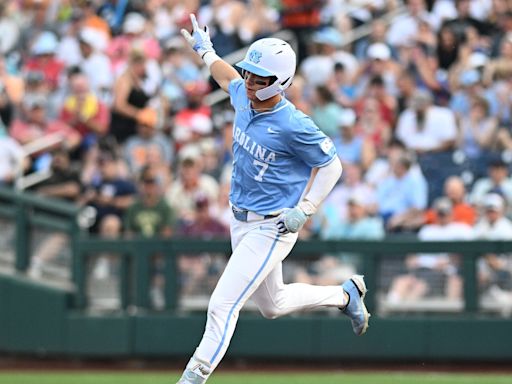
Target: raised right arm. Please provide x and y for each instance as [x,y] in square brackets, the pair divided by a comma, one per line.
[199,40]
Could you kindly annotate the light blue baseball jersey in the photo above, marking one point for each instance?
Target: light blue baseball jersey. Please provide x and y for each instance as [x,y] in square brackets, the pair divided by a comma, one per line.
[274,153]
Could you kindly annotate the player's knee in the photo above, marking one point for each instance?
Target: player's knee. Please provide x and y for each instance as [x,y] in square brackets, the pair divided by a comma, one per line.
[218,307]
[271,313]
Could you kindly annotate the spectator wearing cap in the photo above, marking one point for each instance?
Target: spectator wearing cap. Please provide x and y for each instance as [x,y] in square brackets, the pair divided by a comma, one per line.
[130,98]
[351,146]
[379,64]
[33,124]
[497,181]
[43,59]
[433,274]
[493,225]
[111,193]
[84,112]
[494,270]
[150,215]
[95,63]
[148,145]
[190,183]
[425,128]
[318,67]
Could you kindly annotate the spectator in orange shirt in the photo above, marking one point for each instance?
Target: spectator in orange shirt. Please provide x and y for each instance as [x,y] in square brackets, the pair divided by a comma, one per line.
[463,212]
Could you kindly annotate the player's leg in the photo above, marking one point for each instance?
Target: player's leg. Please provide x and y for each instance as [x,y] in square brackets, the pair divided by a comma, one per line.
[254,257]
[275,299]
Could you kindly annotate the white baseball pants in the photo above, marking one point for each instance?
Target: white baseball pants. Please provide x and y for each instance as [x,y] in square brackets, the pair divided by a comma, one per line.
[255,271]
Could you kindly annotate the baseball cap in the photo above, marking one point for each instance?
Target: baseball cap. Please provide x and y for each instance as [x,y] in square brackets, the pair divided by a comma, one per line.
[493,201]
[379,51]
[134,23]
[45,44]
[478,59]
[469,77]
[347,118]
[93,38]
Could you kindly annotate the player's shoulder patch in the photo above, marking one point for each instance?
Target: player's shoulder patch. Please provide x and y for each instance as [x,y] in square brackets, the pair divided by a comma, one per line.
[327,146]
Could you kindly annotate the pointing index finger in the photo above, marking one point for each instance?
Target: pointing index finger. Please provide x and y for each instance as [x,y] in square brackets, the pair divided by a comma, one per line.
[193,19]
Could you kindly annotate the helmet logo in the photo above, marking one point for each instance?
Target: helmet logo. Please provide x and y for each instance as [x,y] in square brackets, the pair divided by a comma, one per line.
[255,56]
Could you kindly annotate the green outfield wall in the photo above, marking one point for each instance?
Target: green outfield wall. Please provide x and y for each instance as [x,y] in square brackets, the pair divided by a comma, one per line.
[43,320]
[38,320]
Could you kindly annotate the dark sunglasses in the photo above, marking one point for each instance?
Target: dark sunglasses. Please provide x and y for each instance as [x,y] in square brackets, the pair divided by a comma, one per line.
[149,181]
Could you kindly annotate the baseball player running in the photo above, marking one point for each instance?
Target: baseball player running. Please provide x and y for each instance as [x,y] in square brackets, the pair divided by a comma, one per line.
[277,150]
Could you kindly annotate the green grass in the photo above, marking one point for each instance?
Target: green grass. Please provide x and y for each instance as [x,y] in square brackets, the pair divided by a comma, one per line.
[255,378]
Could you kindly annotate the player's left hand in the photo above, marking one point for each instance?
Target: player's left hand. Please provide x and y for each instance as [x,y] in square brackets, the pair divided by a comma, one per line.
[199,40]
[291,220]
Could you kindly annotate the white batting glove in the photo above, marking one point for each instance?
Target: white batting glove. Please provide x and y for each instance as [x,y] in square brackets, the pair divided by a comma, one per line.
[292,220]
[199,40]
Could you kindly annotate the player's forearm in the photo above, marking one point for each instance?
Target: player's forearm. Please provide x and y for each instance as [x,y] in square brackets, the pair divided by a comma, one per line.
[323,182]
[222,72]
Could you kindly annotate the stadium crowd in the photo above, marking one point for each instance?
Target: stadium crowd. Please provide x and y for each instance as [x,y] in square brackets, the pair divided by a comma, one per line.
[108,100]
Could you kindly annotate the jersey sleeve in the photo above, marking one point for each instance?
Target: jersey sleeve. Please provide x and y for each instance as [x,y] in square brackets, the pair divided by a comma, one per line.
[235,88]
[310,144]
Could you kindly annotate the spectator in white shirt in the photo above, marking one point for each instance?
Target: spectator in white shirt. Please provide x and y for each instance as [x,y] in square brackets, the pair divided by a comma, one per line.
[426,128]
